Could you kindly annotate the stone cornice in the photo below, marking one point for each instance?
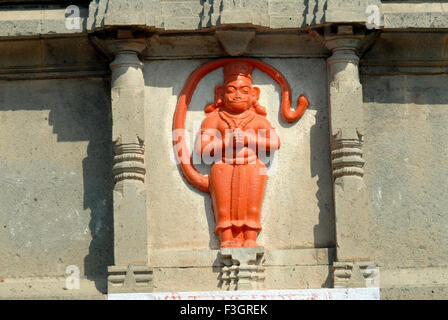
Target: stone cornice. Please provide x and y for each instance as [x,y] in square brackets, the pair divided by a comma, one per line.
[195,15]
[56,58]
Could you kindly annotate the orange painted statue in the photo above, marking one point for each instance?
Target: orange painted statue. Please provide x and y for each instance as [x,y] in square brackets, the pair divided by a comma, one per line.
[234,133]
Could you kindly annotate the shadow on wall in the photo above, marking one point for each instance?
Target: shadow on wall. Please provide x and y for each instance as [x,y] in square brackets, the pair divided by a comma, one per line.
[324,231]
[74,117]
[98,188]
[320,161]
[98,191]
[405,89]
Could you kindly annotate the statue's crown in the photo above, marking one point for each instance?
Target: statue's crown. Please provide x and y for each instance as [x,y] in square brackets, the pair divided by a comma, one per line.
[235,69]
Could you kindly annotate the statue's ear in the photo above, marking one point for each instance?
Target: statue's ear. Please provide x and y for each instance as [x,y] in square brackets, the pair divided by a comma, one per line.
[256,93]
[219,93]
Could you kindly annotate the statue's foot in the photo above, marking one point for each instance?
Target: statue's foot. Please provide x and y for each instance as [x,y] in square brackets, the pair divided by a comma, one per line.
[230,244]
[249,243]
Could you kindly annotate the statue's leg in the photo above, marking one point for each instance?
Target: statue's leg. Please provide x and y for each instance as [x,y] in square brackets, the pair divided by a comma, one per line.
[220,193]
[226,237]
[257,181]
[250,237]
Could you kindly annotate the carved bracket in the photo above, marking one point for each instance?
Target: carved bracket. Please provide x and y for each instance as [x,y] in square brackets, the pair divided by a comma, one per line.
[235,43]
[130,278]
[242,268]
[356,274]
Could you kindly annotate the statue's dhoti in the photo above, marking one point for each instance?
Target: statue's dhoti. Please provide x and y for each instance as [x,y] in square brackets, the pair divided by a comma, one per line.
[237,192]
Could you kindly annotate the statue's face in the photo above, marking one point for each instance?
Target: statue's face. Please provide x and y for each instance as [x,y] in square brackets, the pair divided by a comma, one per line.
[238,94]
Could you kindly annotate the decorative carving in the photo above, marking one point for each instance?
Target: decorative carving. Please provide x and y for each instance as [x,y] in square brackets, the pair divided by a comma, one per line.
[130,278]
[347,157]
[235,42]
[129,162]
[242,268]
[234,132]
[355,274]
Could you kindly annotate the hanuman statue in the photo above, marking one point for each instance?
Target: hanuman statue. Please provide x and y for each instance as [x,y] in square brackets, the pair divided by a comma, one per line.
[234,133]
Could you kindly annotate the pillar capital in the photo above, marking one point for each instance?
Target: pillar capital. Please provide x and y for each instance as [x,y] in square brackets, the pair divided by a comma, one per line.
[126,45]
[344,37]
[345,47]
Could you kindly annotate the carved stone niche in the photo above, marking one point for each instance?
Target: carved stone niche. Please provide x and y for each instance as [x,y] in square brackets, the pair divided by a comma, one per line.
[238,134]
[242,268]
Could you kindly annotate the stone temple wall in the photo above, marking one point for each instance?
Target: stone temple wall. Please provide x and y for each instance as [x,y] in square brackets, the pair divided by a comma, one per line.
[358,184]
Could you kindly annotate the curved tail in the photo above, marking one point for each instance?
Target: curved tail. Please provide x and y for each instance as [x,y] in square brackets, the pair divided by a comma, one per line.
[183,156]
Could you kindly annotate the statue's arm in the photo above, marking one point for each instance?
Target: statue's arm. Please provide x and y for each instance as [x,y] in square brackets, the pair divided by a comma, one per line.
[265,137]
[210,137]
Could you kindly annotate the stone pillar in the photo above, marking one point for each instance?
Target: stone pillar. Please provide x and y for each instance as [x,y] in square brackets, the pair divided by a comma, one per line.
[346,130]
[130,272]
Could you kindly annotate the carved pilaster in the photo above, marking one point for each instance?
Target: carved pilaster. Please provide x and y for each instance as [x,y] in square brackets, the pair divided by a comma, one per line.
[242,268]
[130,272]
[346,129]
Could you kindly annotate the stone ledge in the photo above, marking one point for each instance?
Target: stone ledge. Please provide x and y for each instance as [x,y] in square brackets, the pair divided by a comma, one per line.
[199,15]
[310,294]
[53,288]
[414,277]
[207,258]
[415,293]
[266,44]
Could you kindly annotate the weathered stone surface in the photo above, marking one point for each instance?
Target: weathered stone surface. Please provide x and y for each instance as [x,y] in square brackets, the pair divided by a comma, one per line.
[404,148]
[348,10]
[40,20]
[63,58]
[386,57]
[198,14]
[415,293]
[204,258]
[51,288]
[206,278]
[418,15]
[55,159]
[272,44]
